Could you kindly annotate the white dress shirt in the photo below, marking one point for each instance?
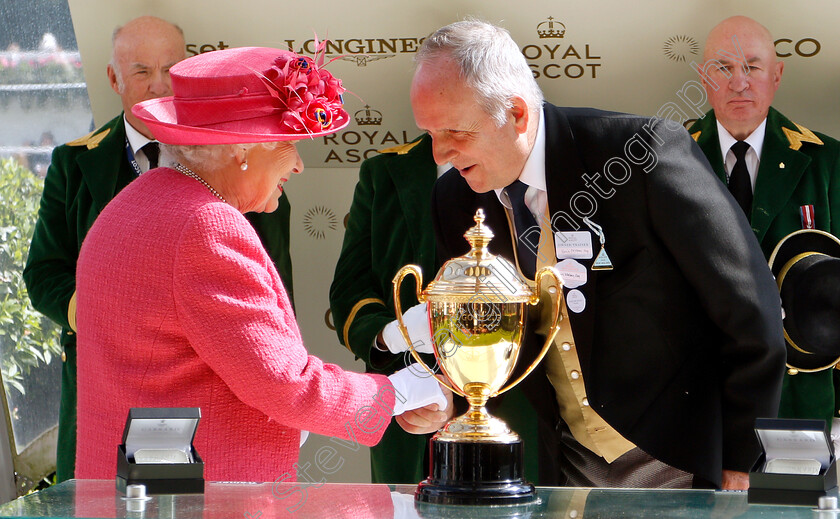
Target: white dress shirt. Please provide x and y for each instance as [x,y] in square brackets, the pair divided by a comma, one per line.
[533,175]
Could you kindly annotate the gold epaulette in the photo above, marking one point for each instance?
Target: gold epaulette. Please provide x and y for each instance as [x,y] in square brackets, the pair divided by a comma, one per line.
[90,140]
[402,149]
[696,135]
[803,135]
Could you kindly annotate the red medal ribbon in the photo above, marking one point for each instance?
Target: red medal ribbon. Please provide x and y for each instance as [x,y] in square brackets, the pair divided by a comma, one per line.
[807,214]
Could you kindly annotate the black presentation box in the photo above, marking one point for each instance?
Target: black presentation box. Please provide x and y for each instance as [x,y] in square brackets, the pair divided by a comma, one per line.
[157,451]
[797,464]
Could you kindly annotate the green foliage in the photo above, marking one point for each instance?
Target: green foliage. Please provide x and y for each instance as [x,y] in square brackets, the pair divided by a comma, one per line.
[27,338]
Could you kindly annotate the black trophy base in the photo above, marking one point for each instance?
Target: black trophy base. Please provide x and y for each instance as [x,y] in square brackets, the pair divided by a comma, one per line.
[475,473]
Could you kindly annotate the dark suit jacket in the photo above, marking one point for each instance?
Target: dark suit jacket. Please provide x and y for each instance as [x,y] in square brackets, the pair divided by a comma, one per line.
[83,177]
[679,343]
[789,178]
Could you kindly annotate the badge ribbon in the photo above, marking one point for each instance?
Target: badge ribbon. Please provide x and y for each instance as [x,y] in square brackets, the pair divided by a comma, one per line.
[602,261]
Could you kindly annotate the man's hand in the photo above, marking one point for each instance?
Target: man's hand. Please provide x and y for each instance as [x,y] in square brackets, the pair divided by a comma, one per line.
[732,480]
[427,419]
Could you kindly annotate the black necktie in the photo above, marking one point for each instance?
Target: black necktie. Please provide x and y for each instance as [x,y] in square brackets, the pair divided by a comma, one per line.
[525,225]
[151,150]
[739,178]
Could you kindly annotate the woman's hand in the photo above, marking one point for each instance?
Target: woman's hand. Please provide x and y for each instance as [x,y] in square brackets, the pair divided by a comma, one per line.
[427,419]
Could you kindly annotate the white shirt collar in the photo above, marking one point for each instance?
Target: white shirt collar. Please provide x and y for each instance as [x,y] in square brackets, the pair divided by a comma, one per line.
[756,142]
[755,139]
[533,174]
[135,139]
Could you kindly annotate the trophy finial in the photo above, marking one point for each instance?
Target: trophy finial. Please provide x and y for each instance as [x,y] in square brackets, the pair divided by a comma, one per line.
[479,236]
[479,216]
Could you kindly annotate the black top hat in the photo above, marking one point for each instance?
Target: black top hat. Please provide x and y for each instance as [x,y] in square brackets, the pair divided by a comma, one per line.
[806,264]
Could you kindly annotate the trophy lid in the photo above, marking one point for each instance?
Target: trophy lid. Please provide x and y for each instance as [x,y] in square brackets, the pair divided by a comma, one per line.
[479,272]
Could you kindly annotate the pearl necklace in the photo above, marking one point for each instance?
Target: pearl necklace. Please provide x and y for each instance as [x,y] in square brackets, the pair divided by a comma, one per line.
[188,172]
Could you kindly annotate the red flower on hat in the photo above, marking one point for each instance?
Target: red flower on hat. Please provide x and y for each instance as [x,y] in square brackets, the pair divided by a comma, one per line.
[310,95]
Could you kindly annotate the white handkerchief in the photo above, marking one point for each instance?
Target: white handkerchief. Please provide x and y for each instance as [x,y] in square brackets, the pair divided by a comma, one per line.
[404,506]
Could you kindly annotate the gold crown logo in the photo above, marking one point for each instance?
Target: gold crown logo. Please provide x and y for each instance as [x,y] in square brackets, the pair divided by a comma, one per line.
[551,29]
[368,117]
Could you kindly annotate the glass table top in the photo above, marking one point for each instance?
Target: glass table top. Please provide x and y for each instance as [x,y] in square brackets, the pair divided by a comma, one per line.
[99,498]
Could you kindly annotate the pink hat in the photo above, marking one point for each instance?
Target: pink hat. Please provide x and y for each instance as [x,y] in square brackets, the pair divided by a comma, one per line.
[247,94]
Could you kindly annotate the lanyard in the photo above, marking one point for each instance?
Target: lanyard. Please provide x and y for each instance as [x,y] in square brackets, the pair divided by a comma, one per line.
[602,262]
[129,154]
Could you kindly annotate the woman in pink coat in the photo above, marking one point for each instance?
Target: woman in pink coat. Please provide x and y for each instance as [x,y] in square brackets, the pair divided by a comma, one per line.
[179,305]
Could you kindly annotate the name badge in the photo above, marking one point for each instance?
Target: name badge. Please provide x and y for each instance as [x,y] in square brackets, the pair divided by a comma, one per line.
[575,301]
[572,273]
[573,244]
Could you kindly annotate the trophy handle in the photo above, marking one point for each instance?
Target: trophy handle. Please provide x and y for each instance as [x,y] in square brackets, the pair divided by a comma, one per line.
[398,279]
[555,324]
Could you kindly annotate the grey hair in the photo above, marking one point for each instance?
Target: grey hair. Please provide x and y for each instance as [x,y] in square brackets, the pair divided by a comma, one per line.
[209,156]
[490,63]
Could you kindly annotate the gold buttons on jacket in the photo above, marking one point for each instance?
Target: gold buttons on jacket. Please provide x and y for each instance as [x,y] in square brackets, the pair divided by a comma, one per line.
[575,374]
[566,346]
[63,356]
[585,402]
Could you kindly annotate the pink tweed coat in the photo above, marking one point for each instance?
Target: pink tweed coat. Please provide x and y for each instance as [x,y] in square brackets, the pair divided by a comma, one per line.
[178,305]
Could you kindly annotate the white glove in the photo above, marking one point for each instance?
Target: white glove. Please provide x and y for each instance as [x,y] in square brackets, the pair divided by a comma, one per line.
[415,387]
[417,323]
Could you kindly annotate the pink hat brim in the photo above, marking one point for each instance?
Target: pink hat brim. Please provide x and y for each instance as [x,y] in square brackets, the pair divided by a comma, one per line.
[159,117]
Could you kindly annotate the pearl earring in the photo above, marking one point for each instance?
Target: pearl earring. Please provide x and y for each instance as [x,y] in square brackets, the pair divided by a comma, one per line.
[244,166]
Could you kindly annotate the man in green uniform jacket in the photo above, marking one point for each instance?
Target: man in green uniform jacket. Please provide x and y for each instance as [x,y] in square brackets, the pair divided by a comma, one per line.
[390,226]
[795,173]
[85,175]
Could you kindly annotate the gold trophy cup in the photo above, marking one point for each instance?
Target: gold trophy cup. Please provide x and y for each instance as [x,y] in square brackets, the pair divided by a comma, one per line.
[477,307]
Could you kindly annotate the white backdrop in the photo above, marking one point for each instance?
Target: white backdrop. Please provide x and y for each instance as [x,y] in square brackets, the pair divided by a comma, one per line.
[625,56]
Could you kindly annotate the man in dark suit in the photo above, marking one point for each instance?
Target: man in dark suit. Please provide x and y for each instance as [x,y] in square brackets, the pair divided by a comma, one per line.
[85,174]
[791,174]
[675,319]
